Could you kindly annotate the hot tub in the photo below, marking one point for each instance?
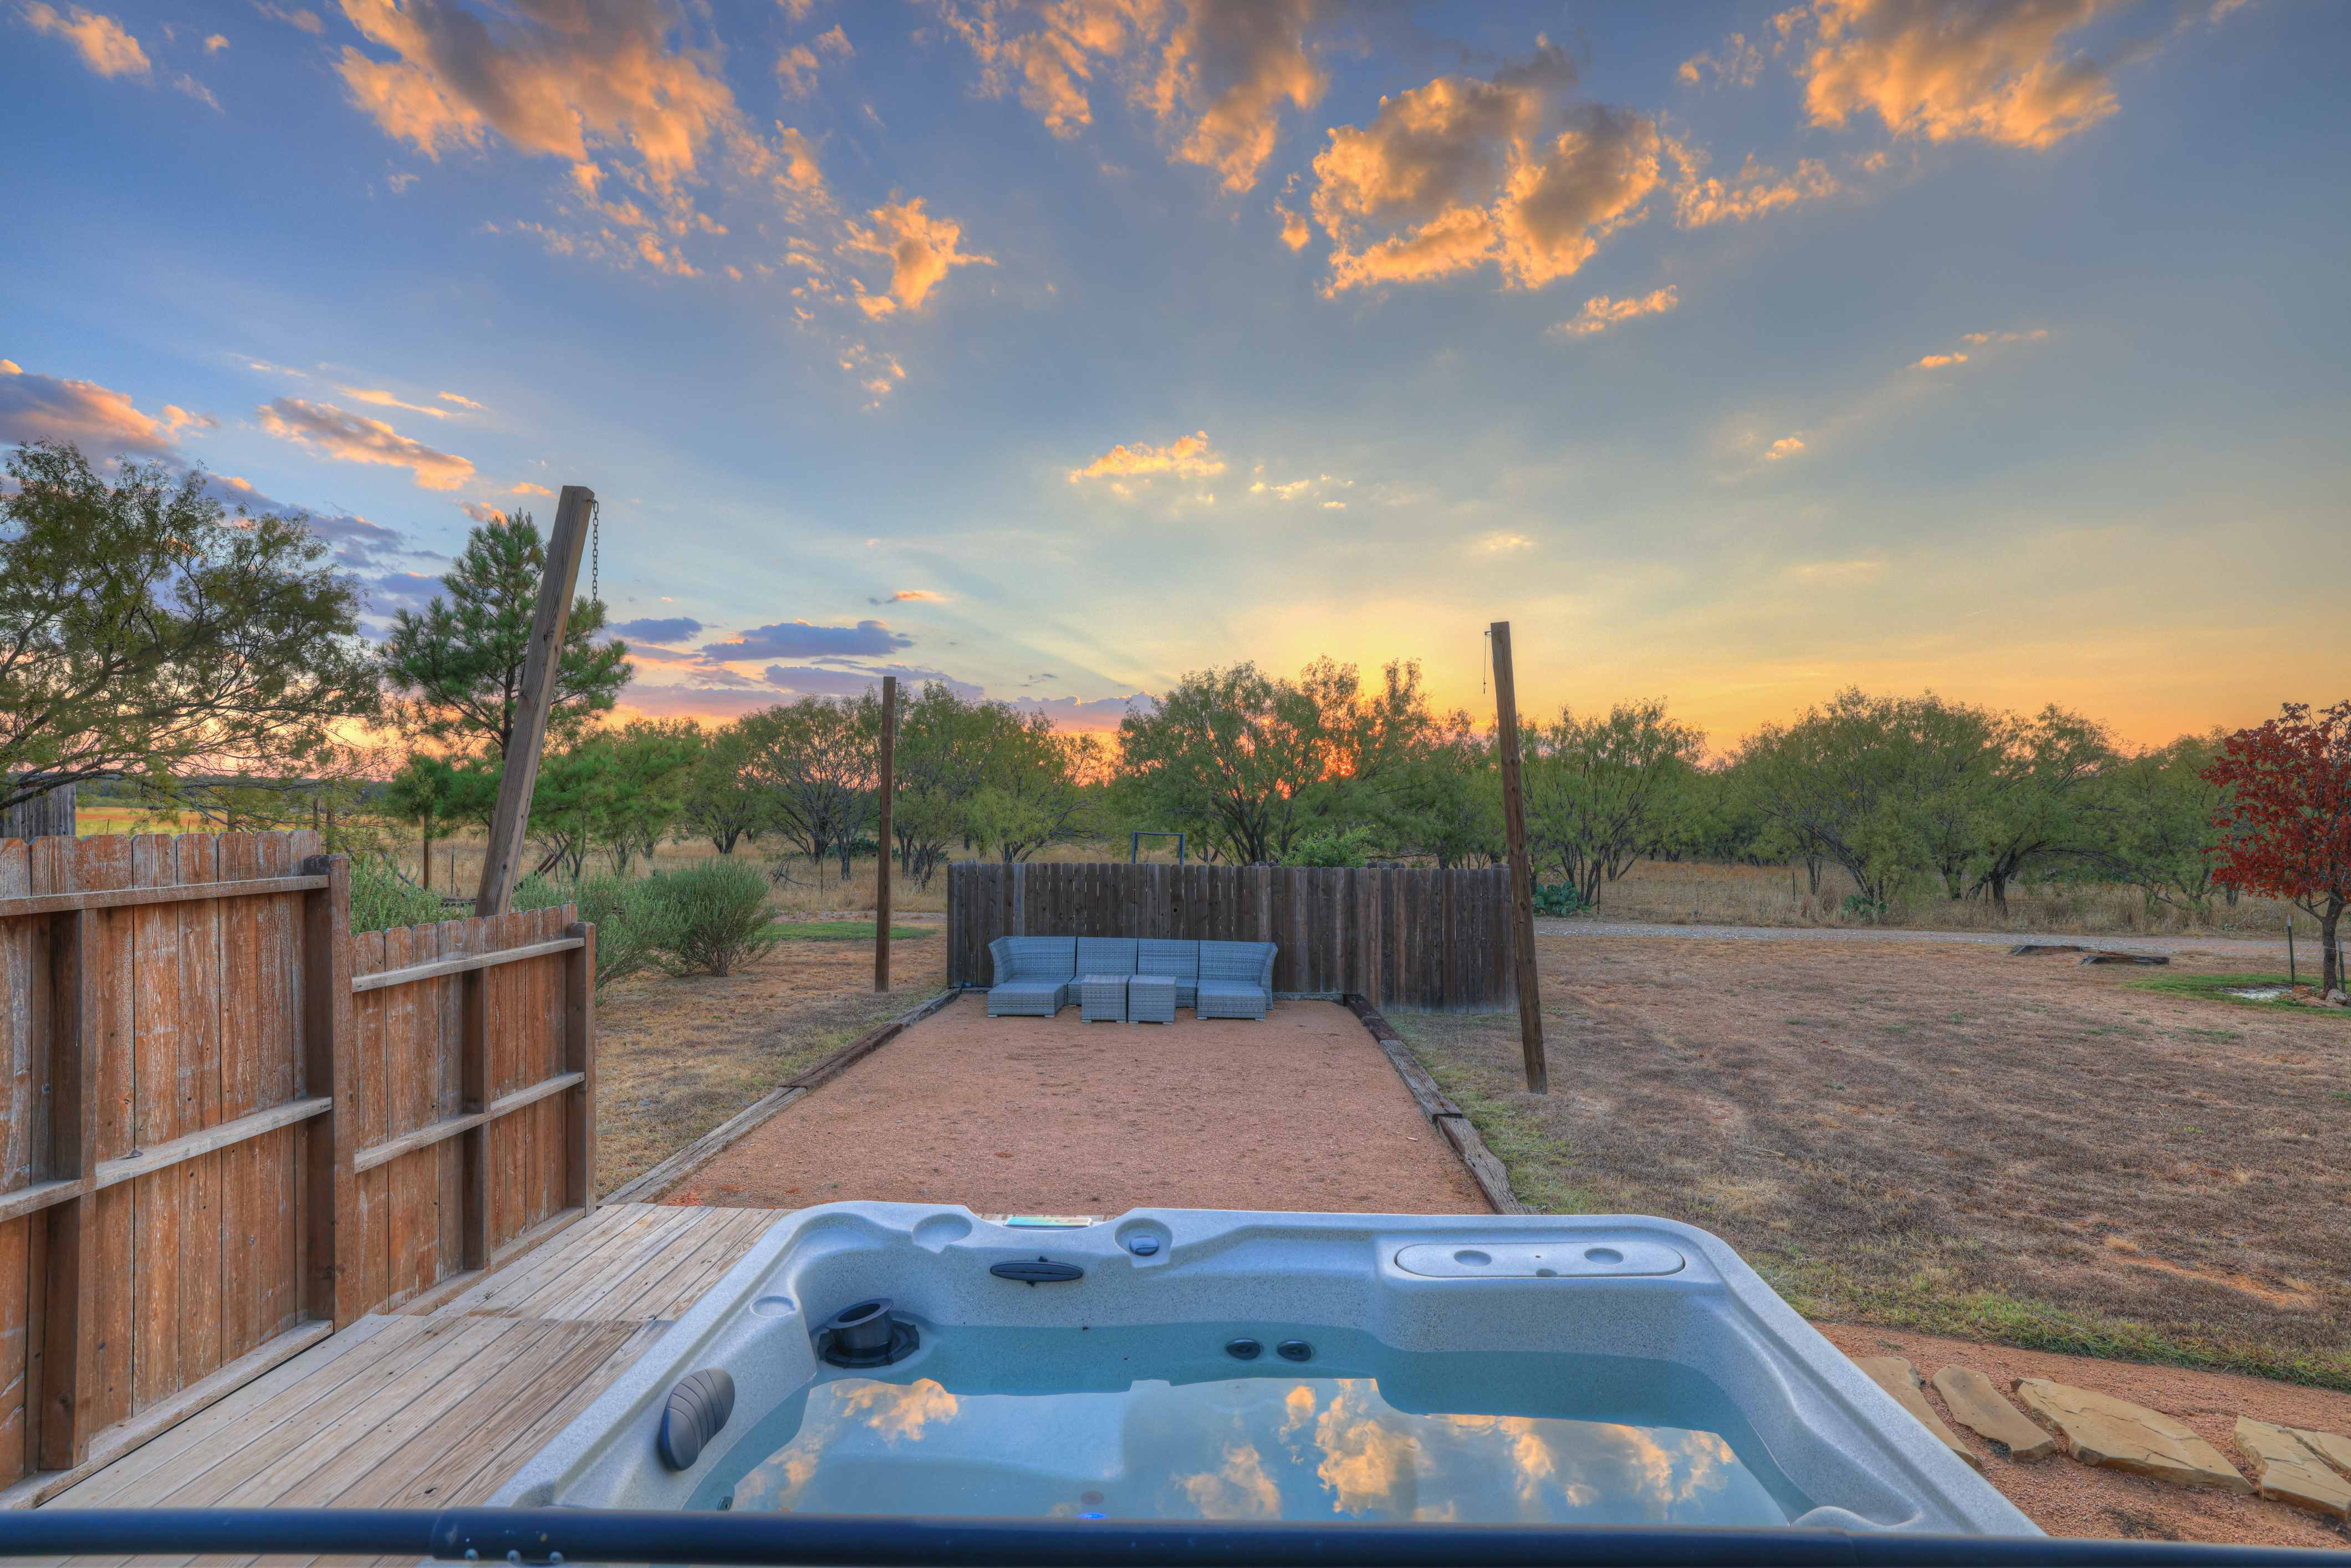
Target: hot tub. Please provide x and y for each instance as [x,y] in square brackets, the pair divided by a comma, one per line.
[1192,1363]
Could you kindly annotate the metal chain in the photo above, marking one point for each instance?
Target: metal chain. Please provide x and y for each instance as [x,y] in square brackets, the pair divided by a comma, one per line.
[595,550]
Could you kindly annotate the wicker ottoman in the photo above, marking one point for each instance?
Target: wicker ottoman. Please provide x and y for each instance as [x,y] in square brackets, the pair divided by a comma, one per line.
[1101,998]
[1150,999]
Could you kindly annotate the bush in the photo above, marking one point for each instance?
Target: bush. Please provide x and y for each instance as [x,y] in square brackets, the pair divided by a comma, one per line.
[630,919]
[1558,898]
[707,919]
[1328,850]
[381,898]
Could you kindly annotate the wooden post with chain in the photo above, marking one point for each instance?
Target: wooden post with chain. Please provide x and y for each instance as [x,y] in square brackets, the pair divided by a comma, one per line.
[1522,872]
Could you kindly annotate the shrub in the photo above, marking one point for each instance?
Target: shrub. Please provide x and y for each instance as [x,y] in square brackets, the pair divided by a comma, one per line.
[381,898]
[632,922]
[1558,898]
[1328,850]
[707,919]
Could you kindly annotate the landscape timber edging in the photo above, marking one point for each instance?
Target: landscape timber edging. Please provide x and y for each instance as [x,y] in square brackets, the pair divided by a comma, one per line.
[650,1187]
[1493,1178]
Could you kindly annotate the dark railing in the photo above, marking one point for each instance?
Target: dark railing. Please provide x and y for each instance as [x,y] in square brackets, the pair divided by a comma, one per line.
[566,1535]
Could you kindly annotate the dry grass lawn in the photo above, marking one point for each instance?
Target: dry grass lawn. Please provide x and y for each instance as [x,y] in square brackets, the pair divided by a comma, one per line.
[676,1058]
[1944,1138]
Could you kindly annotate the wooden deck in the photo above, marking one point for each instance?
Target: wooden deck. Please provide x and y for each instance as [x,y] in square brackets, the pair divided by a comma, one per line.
[426,1409]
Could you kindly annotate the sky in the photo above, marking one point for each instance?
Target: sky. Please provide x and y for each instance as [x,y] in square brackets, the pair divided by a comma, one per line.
[1734,354]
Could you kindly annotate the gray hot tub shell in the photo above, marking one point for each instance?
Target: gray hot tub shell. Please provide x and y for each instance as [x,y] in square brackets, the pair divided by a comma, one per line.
[1604,1284]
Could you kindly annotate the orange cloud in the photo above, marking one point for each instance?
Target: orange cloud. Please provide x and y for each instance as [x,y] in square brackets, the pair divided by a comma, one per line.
[1998,70]
[99,420]
[528,488]
[353,438]
[1937,361]
[1218,75]
[1755,190]
[797,67]
[1599,312]
[1786,447]
[1737,65]
[1459,172]
[1190,458]
[921,249]
[104,44]
[905,593]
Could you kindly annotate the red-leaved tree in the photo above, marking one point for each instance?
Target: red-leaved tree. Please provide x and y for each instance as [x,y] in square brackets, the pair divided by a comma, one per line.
[2285,816]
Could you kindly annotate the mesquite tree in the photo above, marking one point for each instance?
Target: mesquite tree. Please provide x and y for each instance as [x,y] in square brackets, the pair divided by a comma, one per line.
[2286,818]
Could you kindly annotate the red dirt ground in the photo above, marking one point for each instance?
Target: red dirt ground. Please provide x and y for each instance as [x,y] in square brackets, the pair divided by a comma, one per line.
[1054,1116]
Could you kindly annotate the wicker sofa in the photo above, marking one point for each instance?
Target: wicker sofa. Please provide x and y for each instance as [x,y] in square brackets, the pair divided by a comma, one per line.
[1036,975]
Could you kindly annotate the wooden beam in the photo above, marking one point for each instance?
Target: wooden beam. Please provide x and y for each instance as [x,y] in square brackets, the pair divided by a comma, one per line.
[541,671]
[462,963]
[330,1234]
[1522,872]
[68,1349]
[124,897]
[580,1057]
[474,1093]
[375,1155]
[886,789]
[162,1156]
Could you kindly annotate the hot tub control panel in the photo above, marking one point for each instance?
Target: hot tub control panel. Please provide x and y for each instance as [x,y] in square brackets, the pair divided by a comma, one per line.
[1538,1260]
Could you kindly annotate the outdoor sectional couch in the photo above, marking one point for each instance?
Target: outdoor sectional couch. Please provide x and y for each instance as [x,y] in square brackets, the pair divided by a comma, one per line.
[1036,977]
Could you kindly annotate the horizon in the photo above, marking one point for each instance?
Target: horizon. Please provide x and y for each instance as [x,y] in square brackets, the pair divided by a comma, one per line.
[1734,354]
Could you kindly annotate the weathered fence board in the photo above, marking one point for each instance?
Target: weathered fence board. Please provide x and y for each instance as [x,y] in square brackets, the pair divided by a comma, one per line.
[188,1083]
[1435,941]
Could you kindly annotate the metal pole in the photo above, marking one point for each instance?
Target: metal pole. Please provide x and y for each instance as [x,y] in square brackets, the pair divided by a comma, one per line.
[1522,872]
[881,871]
[541,669]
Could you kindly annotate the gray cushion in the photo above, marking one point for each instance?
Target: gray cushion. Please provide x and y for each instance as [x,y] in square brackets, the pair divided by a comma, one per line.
[1040,957]
[1155,956]
[1105,955]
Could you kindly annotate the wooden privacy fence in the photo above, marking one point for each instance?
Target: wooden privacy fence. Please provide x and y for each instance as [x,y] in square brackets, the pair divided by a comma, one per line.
[1432,941]
[228,1127]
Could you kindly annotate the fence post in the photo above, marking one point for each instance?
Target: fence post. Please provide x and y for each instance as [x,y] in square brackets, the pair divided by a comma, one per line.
[580,1056]
[1522,874]
[69,1340]
[329,1143]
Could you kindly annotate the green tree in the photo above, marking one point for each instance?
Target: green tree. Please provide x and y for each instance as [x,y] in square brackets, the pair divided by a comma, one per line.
[458,666]
[814,761]
[146,631]
[1842,783]
[942,755]
[646,786]
[1445,799]
[2162,809]
[1032,782]
[440,793]
[720,803]
[1598,789]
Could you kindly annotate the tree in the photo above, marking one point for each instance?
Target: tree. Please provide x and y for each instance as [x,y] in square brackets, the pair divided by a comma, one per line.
[1597,789]
[2286,819]
[1841,783]
[720,804]
[814,761]
[1032,783]
[943,746]
[1253,764]
[652,762]
[2161,825]
[460,663]
[145,631]
[1446,799]
[437,793]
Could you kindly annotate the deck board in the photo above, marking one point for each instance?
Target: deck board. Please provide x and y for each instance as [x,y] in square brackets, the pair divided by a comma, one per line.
[405,1410]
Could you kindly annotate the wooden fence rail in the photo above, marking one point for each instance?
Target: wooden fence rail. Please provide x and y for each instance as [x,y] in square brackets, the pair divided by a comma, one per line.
[227,1126]
[1430,941]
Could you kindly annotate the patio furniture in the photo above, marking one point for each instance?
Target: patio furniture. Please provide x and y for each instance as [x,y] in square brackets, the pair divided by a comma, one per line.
[1101,998]
[1150,998]
[1038,976]
[1180,961]
[1236,981]
[1032,975]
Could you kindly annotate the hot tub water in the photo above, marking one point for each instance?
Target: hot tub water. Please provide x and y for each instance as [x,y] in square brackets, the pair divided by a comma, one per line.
[1159,1423]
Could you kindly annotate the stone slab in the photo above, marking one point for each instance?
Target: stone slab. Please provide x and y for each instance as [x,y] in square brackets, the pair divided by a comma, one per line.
[2332,1446]
[1895,1375]
[1976,1403]
[2114,1433]
[2286,1470]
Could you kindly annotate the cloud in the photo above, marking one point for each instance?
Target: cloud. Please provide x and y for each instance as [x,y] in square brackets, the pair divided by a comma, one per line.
[1756,190]
[528,488]
[797,67]
[577,83]
[906,593]
[921,249]
[799,640]
[215,44]
[1976,340]
[1786,447]
[480,511]
[1998,70]
[1217,75]
[1079,715]
[1937,361]
[1190,458]
[1738,64]
[1599,312]
[354,438]
[198,90]
[1459,171]
[459,401]
[675,629]
[692,702]
[1505,544]
[99,420]
[306,21]
[103,44]
[822,681]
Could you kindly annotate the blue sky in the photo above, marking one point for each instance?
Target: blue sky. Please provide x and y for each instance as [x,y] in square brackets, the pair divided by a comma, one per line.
[1733,354]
